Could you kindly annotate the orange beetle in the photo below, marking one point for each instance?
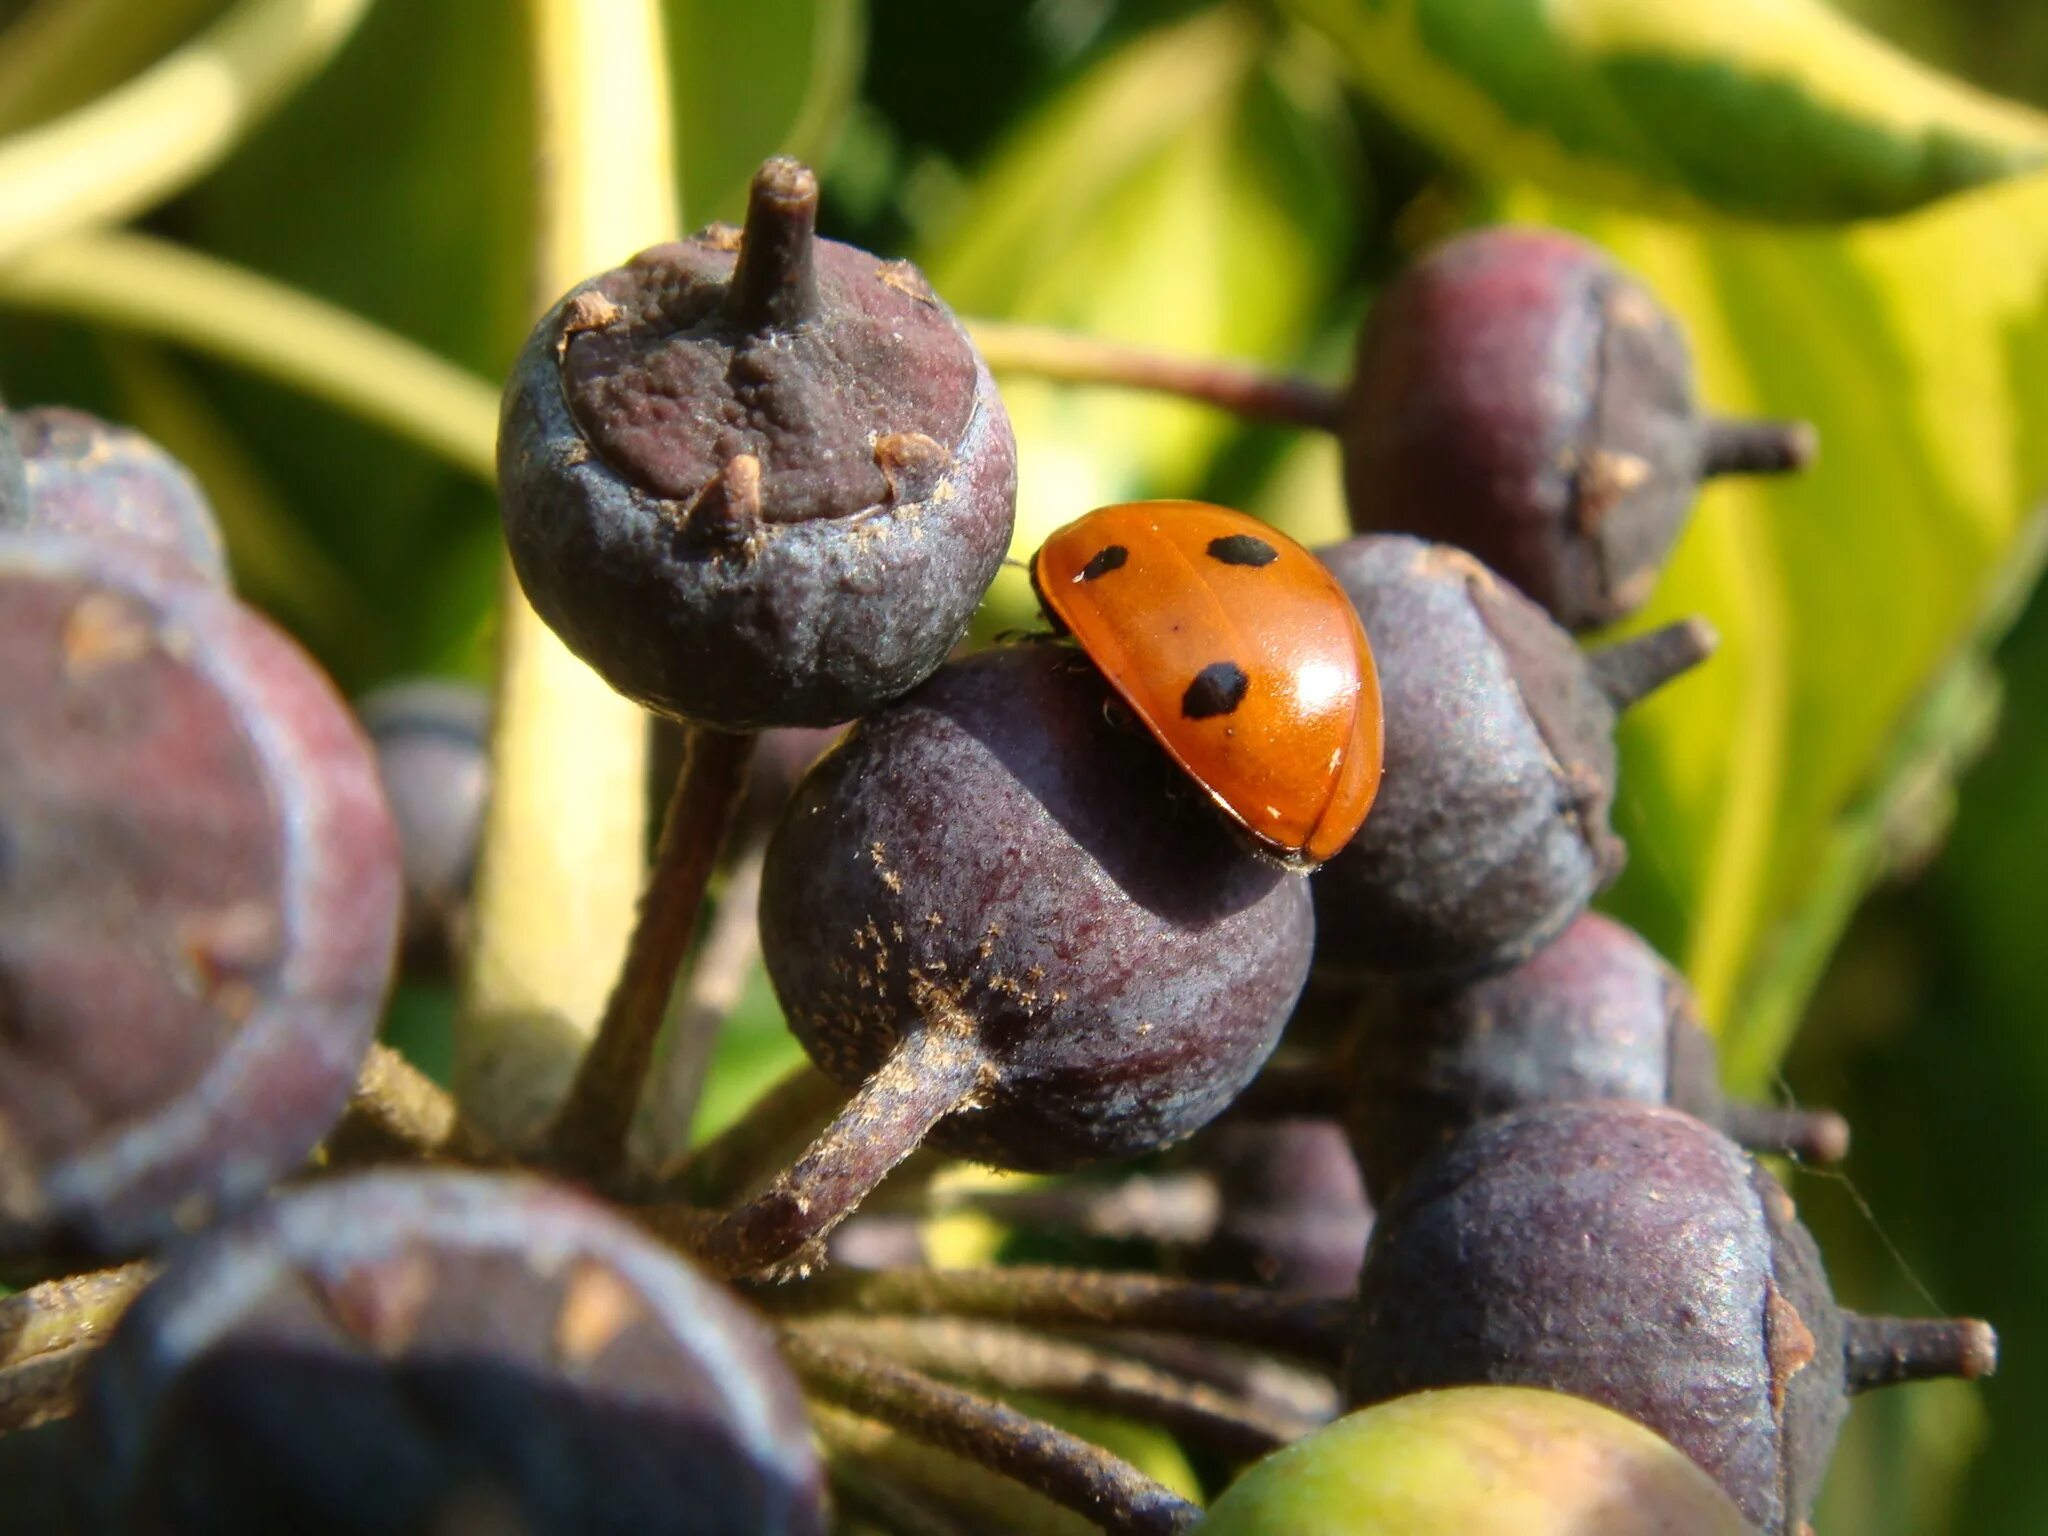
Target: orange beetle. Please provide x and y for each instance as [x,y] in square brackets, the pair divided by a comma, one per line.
[1239,652]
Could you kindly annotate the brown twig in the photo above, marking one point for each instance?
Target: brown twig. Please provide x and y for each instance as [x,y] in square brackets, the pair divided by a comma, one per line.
[59,1313]
[1268,1383]
[1311,1327]
[1254,393]
[935,1069]
[706,999]
[993,1504]
[589,1134]
[397,1113]
[49,1332]
[1065,1468]
[1009,1360]
[38,1391]
[768,1134]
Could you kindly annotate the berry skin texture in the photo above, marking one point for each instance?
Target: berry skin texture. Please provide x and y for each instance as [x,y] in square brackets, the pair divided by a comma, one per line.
[1477,1461]
[1632,1255]
[199,899]
[1238,652]
[1517,394]
[756,478]
[436,1351]
[993,847]
[99,481]
[1491,831]
[1595,1014]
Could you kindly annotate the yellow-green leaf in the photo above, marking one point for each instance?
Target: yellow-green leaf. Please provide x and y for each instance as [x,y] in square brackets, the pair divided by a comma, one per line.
[1183,194]
[767,77]
[1756,793]
[1778,109]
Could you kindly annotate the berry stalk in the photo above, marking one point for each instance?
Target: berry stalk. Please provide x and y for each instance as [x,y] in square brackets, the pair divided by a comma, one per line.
[934,1070]
[49,1334]
[397,1112]
[765,1135]
[1243,390]
[589,1135]
[1308,1326]
[990,1503]
[1007,1359]
[1063,1467]
[709,992]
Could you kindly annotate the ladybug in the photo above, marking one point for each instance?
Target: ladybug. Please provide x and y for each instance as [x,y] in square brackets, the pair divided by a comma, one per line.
[1239,652]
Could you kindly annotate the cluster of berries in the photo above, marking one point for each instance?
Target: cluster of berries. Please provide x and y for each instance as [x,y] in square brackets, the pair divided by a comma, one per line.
[1047,905]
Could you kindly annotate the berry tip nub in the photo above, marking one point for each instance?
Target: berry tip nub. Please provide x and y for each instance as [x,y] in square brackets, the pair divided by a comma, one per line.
[1630,670]
[1885,1351]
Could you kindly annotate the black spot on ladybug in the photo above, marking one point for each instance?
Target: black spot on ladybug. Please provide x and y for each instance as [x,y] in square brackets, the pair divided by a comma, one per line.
[1242,549]
[1217,690]
[1110,557]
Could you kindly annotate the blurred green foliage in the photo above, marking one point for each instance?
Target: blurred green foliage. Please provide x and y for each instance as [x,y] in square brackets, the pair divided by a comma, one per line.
[1236,178]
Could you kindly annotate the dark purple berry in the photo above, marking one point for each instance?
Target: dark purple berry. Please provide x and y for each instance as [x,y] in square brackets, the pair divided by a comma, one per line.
[993,851]
[1491,829]
[1596,1014]
[756,478]
[1291,1209]
[100,481]
[1518,395]
[199,897]
[1632,1255]
[440,1352]
[433,755]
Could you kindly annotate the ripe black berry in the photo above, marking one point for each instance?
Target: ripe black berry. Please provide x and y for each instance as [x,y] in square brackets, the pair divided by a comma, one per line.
[1632,1255]
[415,1352]
[91,478]
[1596,1014]
[1291,1210]
[756,478]
[198,899]
[1491,829]
[993,847]
[1010,924]
[432,756]
[1519,395]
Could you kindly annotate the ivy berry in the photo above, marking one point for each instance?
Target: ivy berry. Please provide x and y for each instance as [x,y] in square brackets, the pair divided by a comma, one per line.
[1518,395]
[756,478]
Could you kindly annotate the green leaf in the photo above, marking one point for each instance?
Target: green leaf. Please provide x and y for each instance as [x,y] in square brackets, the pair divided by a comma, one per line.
[419,143]
[1761,794]
[1188,192]
[748,81]
[1775,109]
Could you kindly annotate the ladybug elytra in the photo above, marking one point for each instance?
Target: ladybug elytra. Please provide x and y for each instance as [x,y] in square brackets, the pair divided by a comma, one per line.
[1240,654]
